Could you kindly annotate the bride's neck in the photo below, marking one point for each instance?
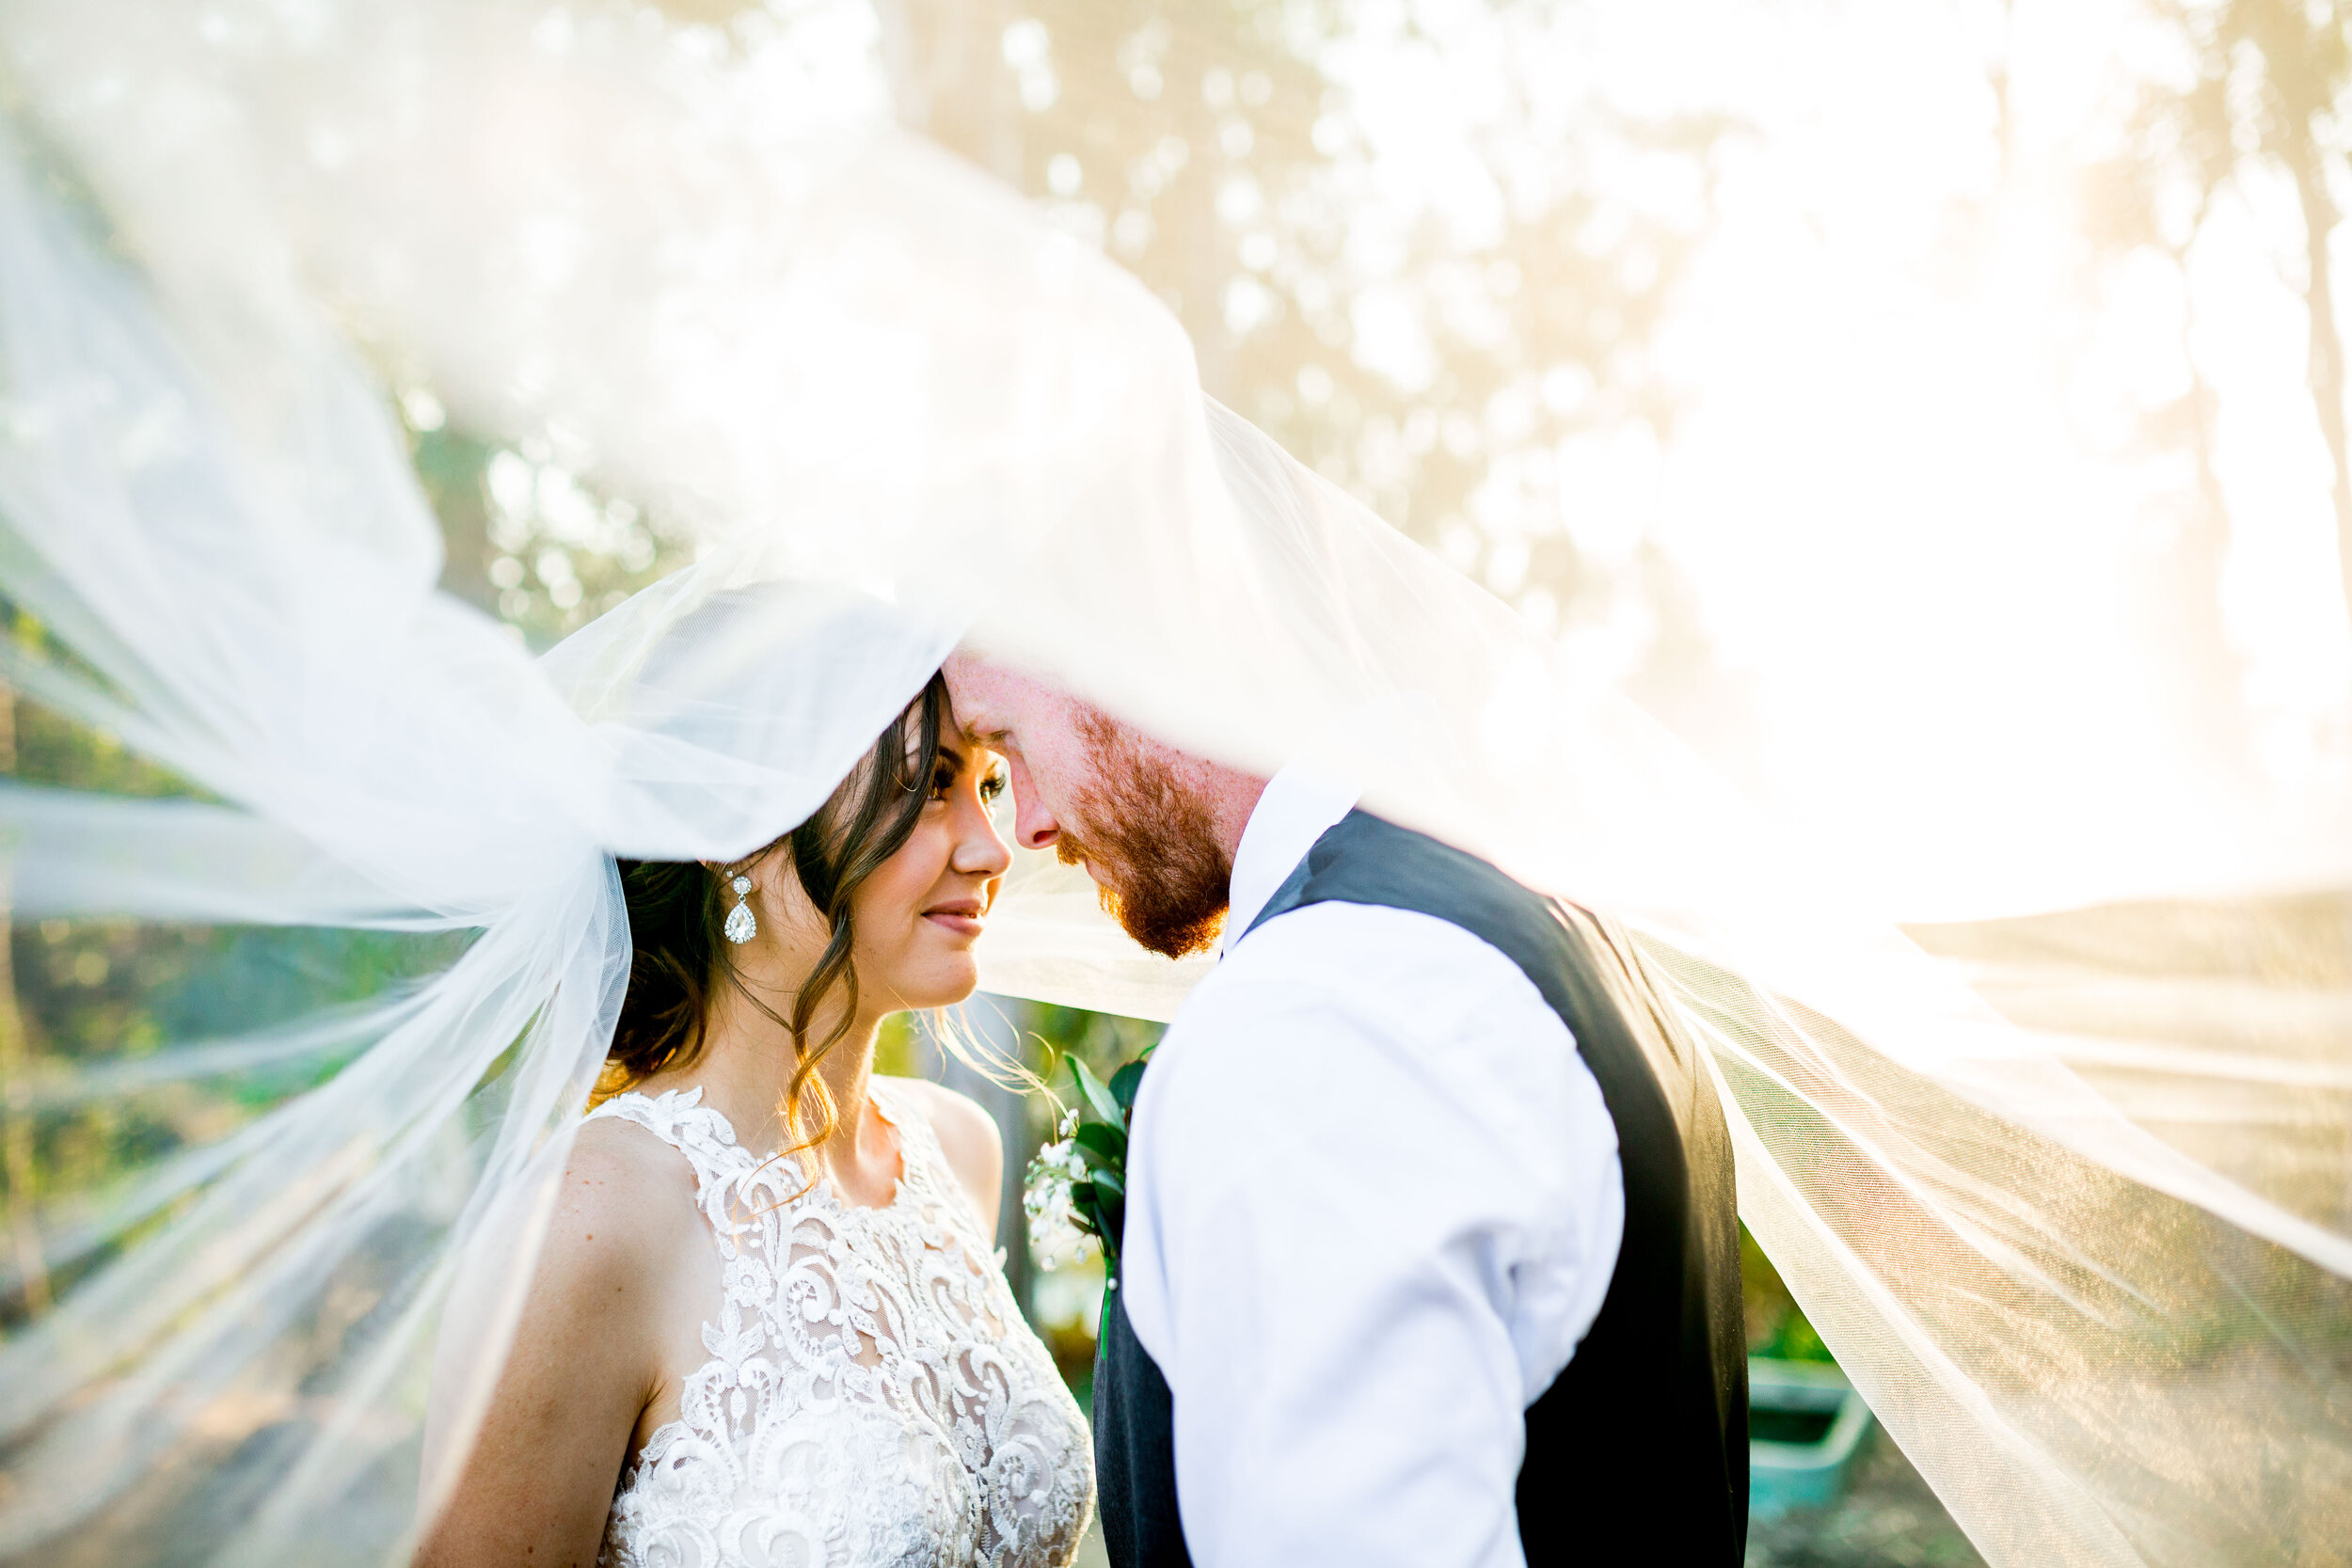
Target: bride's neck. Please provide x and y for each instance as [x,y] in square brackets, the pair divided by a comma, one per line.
[746,1065]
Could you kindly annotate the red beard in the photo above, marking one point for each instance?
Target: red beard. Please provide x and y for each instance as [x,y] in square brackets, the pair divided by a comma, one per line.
[1150,843]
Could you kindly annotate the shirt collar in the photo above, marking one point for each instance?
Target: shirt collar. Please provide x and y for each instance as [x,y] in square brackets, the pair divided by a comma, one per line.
[1299,805]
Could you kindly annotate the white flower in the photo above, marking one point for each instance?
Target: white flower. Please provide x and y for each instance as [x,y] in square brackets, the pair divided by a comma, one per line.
[1053,1226]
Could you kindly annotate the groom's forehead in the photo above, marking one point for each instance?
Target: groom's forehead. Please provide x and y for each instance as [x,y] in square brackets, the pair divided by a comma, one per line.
[979,708]
[992,702]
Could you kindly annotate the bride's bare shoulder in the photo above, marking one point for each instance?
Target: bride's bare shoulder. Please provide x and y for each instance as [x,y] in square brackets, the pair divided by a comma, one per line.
[626,1201]
[599,1330]
[959,1121]
[601,1284]
[967,1136]
[616,1245]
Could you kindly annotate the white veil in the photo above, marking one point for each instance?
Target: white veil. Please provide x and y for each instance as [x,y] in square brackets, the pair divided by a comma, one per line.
[2088,1260]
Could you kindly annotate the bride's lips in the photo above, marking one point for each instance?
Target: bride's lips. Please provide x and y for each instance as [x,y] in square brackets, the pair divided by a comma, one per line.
[960,916]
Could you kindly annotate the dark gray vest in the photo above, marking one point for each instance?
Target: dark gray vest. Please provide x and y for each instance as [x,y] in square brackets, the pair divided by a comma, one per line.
[1638,1452]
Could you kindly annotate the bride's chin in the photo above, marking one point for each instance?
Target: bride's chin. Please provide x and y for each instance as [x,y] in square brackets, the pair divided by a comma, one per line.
[943,984]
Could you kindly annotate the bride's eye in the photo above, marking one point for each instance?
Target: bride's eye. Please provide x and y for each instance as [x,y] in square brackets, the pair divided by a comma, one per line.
[943,779]
[993,786]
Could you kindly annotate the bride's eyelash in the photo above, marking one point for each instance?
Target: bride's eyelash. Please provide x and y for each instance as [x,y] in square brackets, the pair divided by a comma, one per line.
[944,780]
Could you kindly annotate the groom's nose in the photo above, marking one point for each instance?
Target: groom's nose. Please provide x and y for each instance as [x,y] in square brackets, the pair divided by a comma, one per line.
[1033,824]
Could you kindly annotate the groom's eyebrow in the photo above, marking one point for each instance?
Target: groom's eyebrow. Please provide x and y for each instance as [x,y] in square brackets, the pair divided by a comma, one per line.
[947,750]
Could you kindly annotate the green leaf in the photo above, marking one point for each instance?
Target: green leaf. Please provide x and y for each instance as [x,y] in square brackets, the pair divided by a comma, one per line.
[1097,1095]
[1108,1183]
[1103,1141]
[1124,1083]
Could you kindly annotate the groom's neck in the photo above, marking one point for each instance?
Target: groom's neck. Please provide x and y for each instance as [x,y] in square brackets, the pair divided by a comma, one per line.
[1231,795]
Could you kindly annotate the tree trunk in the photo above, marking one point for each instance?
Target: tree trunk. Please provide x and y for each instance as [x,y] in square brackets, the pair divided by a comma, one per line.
[2327,342]
[452,467]
[2208,668]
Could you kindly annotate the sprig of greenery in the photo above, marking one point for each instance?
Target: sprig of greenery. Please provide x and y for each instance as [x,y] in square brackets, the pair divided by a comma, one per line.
[1079,1182]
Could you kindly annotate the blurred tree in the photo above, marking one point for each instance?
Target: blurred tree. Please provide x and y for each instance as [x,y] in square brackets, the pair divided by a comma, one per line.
[454,469]
[83,995]
[523,536]
[66,992]
[2137,208]
[2244,104]
[1491,388]
[2262,97]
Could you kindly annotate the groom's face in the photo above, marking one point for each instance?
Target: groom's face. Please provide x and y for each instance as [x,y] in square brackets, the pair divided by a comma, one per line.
[1101,795]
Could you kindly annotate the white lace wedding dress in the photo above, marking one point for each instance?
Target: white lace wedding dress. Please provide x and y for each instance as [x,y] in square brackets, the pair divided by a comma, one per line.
[872,1397]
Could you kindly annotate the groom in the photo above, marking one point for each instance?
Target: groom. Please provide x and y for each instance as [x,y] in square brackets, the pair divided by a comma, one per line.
[1430,1256]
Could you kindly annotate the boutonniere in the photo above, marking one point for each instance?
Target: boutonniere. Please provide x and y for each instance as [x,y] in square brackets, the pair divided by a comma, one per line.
[1078,1186]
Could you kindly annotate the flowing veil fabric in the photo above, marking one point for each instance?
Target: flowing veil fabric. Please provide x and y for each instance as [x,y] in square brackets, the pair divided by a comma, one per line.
[2086,1253]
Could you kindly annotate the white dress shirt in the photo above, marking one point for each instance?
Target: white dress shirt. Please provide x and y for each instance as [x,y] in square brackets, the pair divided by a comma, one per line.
[1374,1202]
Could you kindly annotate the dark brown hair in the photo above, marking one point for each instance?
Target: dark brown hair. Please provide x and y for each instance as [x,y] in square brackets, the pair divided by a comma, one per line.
[677,909]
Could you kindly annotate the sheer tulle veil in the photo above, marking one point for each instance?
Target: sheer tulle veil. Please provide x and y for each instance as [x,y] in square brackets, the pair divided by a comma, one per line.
[899,412]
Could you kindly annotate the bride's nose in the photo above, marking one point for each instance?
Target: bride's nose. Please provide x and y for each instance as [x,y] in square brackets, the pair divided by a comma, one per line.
[980,850]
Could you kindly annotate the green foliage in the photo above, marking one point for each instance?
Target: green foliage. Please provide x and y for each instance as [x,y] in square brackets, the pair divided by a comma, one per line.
[1776,1326]
[1124,1083]
[527,538]
[106,994]
[1112,1112]
[85,995]
[1099,1197]
[1105,1043]
[39,746]
[898,1051]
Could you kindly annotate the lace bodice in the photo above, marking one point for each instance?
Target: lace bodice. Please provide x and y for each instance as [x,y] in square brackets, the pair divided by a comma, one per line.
[872,1396]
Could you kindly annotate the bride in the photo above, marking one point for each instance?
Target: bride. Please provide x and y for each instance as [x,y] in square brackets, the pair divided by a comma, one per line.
[767,1324]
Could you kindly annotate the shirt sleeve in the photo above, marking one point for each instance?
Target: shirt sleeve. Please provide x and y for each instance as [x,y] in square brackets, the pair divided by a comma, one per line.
[1375,1202]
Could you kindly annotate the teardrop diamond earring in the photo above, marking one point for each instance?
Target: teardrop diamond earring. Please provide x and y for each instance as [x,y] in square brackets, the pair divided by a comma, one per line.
[742,924]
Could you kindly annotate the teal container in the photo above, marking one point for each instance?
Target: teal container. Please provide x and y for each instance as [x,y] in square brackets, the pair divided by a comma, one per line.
[1805,1424]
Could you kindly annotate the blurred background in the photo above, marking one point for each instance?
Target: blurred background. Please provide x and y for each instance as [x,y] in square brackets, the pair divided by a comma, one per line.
[1724,342]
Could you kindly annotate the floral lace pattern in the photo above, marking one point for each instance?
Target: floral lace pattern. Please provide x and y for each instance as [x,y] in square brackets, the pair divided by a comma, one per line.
[872,1397]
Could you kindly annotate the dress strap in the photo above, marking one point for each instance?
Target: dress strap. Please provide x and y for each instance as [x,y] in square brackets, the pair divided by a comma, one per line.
[928,1180]
[680,1119]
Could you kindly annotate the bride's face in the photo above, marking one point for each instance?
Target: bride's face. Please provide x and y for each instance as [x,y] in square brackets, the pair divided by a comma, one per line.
[919,913]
